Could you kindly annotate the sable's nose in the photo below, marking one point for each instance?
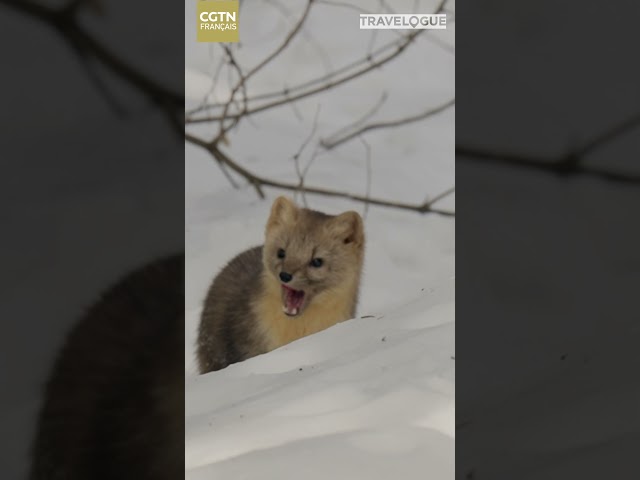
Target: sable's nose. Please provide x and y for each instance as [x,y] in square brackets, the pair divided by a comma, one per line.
[285,277]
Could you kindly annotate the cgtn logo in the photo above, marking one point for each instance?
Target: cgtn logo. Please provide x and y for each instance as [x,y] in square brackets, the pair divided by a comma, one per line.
[217,21]
[403,21]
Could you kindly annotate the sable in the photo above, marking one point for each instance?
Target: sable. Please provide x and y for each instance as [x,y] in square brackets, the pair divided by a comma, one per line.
[304,279]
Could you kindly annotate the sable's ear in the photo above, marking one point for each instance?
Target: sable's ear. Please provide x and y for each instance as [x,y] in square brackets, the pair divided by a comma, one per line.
[350,228]
[283,211]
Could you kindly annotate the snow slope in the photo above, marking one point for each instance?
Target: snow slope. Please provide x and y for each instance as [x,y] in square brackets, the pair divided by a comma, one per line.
[369,398]
[372,397]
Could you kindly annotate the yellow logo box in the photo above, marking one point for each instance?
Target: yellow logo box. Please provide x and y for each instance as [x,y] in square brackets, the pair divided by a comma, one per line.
[218,21]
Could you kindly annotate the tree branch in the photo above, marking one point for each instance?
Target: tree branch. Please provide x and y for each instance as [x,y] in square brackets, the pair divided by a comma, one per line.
[262,102]
[285,96]
[571,163]
[258,182]
[244,78]
[367,158]
[344,135]
[65,21]
[296,156]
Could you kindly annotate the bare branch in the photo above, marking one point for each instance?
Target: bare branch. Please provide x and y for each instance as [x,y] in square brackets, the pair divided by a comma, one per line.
[441,6]
[571,163]
[311,40]
[344,135]
[98,82]
[285,97]
[367,149]
[296,156]
[374,32]
[215,76]
[294,31]
[386,6]
[258,182]
[315,81]
[244,78]
[608,135]
[440,196]
[563,166]
[296,111]
[439,43]
[241,85]
[310,136]
[65,21]
[350,6]
[283,9]
[262,102]
[372,111]
[322,83]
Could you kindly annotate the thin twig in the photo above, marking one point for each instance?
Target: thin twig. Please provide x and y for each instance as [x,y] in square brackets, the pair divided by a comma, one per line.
[370,113]
[571,163]
[65,21]
[609,134]
[215,76]
[367,149]
[329,81]
[258,182]
[562,166]
[387,7]
[305,86]
[350,6]
[296,156]
[317,80]
[244,78]
[440,43]
[99,83]
[310,136]
[292,33]
[440,196]
[311,40]
[314,155]
[342,137]
[296,111]
[285,97]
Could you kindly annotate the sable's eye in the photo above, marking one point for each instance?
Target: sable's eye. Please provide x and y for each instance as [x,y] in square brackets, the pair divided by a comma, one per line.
[316,262]
[280,253]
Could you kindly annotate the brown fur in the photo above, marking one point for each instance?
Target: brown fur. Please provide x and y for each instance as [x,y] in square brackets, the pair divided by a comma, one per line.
[114,405]
[243,312]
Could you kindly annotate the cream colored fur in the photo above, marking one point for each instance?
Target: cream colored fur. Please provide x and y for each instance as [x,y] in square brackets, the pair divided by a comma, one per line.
[325,310]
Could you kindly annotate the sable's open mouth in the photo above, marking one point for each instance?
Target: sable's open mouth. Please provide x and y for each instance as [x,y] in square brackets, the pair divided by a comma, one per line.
[292,301]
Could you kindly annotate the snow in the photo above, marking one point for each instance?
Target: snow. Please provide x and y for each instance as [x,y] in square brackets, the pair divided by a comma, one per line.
[377,389]
[372,397]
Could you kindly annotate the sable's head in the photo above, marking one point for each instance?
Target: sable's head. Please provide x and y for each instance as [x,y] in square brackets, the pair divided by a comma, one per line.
[309,252]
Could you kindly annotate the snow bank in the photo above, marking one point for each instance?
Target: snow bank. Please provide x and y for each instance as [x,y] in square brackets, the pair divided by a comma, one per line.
[368,398]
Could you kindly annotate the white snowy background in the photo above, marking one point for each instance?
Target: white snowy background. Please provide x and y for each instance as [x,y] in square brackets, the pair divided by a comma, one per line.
[372,397]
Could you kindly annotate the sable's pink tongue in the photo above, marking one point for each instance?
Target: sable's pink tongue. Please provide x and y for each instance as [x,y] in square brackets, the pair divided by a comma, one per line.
[293,300]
